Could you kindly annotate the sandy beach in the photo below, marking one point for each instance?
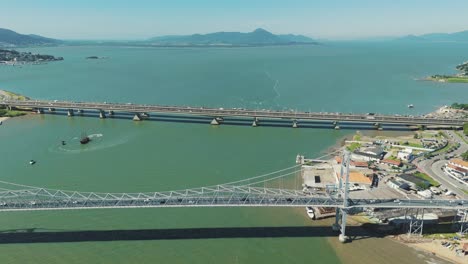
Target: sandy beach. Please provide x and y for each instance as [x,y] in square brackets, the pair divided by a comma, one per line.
[434,247]
[2,119]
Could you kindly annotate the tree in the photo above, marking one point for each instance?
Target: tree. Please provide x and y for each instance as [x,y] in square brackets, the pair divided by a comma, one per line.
[465,156]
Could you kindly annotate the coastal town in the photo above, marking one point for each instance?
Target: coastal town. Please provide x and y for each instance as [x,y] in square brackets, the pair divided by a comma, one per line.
[424,164]
[13,57]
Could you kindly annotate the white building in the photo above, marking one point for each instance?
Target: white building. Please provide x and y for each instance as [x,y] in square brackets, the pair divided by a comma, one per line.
[406,154]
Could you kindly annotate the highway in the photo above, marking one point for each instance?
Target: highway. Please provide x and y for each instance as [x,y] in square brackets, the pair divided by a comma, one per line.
[434,169]
[235,112]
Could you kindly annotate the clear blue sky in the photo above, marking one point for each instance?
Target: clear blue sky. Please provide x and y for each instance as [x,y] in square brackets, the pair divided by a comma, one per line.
[136,19]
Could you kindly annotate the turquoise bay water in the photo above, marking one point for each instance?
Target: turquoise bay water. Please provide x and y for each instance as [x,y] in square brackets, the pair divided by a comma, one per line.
[155,156]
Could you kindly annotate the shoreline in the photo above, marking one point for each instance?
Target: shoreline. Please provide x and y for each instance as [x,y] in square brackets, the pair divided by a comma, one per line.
[432,247]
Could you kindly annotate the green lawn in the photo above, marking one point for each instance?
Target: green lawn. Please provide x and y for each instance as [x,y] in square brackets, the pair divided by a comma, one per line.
[415,145]
[353,146]
[428,178]
[457,80]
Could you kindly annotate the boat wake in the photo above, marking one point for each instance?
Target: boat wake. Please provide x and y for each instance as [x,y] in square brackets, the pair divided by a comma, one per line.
[95,135]
[98,142]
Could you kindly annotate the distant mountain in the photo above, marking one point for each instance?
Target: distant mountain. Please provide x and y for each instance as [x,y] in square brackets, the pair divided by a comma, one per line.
[461,36]
[256,37]
[11,38]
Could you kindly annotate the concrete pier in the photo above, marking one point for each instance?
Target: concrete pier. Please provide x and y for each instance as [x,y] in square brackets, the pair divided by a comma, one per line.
[336,125]
[70,112]
[51,109]
[102,115]
[214,122]
[40,111]
[110,113]
[295,124]
[255,122]
[137,117]
[80,111]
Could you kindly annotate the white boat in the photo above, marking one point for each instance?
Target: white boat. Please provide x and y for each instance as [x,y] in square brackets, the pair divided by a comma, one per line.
[410,106]
[32,162]
[310,212]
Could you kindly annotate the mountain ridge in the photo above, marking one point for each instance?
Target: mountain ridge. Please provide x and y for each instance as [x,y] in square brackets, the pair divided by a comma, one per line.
[259,36]
[460,36]
[11,38]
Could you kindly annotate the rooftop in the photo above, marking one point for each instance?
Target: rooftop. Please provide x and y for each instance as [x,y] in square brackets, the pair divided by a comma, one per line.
[459,162]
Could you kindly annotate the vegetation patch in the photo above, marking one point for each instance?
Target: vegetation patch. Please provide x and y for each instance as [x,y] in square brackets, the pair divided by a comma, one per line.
[427,178]
[12,113]
[464,156]
[353,146]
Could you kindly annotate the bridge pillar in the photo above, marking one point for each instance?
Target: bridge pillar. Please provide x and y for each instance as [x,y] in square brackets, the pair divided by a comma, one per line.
[51,109]
[378,126]
[336,125]
[40,111]
[295,125]
[416,222]
[70,112]
[255,122]
[343,192]
[215,122]
[102,115]
[462,221]
[80,111]
[137,117]
[110,113]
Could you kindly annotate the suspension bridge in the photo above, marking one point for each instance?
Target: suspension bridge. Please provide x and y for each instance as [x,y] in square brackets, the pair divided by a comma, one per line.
[251,192]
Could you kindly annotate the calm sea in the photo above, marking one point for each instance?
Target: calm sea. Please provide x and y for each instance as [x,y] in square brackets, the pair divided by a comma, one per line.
[156,156]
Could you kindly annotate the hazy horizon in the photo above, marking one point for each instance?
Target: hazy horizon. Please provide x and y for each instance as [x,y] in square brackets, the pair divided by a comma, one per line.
[141,19]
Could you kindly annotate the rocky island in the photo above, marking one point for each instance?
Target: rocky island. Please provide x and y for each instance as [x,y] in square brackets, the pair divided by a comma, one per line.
[13,57]
[461,77]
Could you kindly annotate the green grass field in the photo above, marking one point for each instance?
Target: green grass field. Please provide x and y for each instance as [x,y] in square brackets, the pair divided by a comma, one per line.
[457,80]
[428,178]
[353,146]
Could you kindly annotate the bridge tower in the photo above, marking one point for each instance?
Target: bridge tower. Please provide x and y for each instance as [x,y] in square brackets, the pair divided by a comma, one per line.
[462,222]
[416,221]
[343,193]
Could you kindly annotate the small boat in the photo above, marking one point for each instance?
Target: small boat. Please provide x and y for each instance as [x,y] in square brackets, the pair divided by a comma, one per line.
[32,162]
[63,143]
[310,212]
[410,106]
[84,139]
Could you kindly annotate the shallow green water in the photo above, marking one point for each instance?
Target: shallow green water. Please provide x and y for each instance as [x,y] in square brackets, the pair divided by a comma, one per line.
[155,156]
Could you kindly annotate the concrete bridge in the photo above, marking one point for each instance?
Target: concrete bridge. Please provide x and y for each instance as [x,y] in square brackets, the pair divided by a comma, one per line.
[217,115]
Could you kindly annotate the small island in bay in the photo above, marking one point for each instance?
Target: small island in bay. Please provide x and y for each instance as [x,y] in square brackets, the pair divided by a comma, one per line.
[95,58]
[13,57]
[461,77]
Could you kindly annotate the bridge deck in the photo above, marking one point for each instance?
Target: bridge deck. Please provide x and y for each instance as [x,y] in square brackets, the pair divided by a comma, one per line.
[221,112]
